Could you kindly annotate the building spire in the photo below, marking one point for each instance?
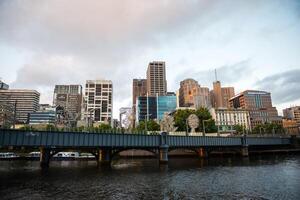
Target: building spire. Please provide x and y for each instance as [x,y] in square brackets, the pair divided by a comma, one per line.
[216,75]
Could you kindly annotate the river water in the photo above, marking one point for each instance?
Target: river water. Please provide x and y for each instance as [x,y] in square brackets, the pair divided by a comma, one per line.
[272,177]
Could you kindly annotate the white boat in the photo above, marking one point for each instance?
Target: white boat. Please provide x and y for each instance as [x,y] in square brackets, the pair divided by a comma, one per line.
[35,154]
[8,155]
[66,155]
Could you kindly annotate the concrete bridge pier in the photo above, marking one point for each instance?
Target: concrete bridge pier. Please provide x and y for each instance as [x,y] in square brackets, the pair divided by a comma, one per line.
[104,157]
[44,157]
[163,154]
[202,153]
[244,151]
[295,142]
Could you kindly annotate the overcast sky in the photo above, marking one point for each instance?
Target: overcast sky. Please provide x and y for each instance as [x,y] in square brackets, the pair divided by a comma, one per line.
[252,44]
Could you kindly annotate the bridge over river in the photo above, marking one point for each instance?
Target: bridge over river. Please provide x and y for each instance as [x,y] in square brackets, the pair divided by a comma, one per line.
[105,145]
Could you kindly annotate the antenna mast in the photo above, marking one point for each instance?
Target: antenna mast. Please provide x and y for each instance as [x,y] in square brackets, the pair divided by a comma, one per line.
[216,75]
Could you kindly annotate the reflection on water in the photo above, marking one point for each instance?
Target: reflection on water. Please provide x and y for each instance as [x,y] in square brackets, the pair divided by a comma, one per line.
[276,177]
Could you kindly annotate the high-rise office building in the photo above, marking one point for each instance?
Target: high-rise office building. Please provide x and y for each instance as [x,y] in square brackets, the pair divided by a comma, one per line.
[191,94]
[139,89]
[156,79]
[69,97]
[155,107]
[220,95]
[259,105]
[23,102]
[165,104]
[146,108]
[98,105]
[292,113]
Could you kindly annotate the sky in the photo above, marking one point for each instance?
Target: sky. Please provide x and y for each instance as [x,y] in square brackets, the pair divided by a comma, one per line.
[252,44]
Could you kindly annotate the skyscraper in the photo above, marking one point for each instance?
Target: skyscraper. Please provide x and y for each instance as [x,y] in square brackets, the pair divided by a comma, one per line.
[191,94]
[69,97]
[23,102]
[98,101]
[139,89]
[156,79]
[259,105]
[220,95]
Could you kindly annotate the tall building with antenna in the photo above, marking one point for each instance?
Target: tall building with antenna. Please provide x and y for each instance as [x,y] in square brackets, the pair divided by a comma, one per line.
[220,95]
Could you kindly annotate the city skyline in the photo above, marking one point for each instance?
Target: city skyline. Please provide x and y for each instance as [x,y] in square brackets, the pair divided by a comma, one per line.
[253,47]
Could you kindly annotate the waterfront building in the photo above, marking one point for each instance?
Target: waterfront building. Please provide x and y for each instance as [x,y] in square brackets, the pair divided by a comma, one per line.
[165,104]
[227,118]
[292,113]
[23,101]
[220,95]
[3,86]
[139,89]
[191,94]
[69,99]
[291,126]
[98,105]
[156,79]
[259,105]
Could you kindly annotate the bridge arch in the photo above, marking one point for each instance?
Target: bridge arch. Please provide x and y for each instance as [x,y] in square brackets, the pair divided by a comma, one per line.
[118,151]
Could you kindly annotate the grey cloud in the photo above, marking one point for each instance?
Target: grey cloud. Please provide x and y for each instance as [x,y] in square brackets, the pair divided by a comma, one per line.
[77,40]
[285,87]
[227,74]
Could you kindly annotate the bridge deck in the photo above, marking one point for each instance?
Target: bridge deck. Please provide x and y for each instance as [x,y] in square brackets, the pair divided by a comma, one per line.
[19,138]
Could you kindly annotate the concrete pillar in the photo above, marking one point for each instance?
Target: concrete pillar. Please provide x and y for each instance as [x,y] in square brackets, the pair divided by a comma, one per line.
[104,156]
[202,153]
[244,151]
[163,154]
[44,157]
[295,142]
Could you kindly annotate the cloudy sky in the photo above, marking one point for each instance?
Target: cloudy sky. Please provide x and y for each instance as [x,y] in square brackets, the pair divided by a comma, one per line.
[252,44]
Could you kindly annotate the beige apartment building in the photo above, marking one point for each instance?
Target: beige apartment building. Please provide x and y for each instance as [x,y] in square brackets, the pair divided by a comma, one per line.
[98,102]
[227,118]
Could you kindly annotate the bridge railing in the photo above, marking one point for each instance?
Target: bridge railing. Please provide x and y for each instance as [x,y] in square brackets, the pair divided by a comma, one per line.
[75,139]
[183,141]
[92,140]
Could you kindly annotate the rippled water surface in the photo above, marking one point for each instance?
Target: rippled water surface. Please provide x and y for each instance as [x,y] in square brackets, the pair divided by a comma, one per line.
[276,177]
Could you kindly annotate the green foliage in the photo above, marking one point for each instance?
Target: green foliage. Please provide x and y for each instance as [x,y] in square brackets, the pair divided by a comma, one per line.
[104,127]
[151,126]
[238,128]
[180,118]
[268,128]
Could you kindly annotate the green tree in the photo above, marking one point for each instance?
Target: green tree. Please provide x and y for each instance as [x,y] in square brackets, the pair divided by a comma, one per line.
[180,119]
[181,116]
[238,128]
[104,127]
[151,126]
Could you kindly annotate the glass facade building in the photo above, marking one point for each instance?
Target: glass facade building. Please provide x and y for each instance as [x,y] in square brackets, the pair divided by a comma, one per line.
[146,108]
[165,104]
[154,107]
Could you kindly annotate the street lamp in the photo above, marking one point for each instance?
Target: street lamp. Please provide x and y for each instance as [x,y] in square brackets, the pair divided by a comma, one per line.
[146,117]
[203,125]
